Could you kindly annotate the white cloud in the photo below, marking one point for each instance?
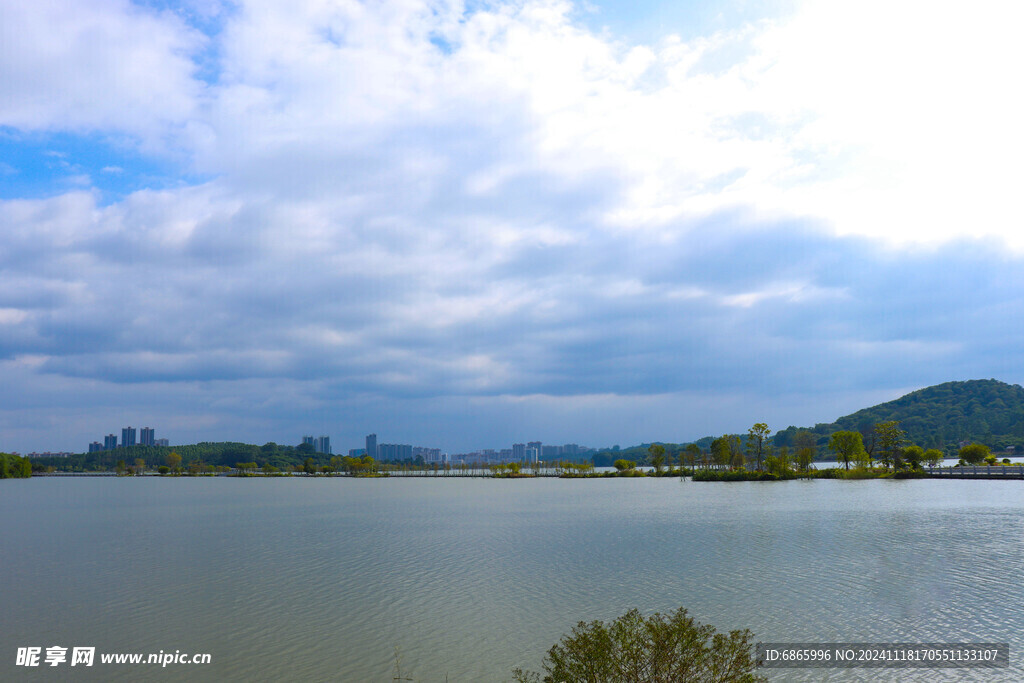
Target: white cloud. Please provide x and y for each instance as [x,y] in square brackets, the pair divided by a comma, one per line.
[534,210]
[96,65]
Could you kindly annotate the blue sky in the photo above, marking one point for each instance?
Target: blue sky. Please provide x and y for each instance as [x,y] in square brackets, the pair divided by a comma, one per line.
[463,225]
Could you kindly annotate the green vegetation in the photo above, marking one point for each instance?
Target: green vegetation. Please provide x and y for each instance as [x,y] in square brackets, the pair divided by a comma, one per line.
[975,454]
[757,446]
[738,474]
[898,437]
[634,649]
[940,417]
[849,448]
[14,467]
[200,458]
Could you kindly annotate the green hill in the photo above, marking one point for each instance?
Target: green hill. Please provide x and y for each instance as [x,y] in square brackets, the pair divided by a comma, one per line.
[942,416]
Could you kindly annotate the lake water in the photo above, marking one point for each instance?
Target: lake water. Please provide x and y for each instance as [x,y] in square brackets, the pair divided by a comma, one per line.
[321,579]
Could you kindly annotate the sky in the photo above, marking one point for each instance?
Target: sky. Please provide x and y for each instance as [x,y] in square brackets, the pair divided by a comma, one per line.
[467,224]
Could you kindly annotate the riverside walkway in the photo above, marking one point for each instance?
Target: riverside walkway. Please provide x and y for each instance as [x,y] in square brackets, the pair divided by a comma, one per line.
[978,472]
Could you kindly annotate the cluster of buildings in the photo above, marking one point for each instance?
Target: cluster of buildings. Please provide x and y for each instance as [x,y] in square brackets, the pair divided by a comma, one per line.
[529,452]
[320,444]
[129,437]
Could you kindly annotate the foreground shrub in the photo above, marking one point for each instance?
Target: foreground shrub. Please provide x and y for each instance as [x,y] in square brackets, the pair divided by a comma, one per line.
[658,649]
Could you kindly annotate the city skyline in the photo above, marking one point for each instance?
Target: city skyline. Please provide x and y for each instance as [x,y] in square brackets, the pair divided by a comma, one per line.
[460,223]
[531,451]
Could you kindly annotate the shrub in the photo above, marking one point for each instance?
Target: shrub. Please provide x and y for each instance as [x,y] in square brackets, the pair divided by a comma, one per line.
[634,649]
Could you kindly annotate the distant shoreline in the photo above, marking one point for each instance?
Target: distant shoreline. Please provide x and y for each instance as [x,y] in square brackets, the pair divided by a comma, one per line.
[970,472]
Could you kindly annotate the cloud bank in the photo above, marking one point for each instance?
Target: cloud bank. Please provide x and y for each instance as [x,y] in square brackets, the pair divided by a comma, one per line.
[462,225]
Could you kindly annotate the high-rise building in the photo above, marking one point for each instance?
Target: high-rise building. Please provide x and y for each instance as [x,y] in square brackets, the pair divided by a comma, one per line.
[532,454]
[146,437]
[110,442]
[310,441]
[161,442]
[393,451]
[322,444]
[95,446]
[371,445]
[128,437]
[519,452]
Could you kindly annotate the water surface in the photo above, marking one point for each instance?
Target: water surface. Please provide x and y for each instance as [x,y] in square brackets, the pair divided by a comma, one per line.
[321,579]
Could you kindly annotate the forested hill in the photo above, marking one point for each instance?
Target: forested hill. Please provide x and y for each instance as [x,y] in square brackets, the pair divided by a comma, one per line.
[983,410]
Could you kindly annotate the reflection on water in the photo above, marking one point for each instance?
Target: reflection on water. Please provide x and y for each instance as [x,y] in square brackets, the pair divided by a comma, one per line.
[305,579]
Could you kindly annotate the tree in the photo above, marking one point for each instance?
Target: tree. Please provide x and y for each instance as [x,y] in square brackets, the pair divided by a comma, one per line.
[720,451]
[890,439]
[622,465]
[14,466]
[309,467]
[672,647]
[806,449]
[848,447]
[735,452]
[974,454]
[174,461]
[914,455]
[933,456]
[693,451]
[778,464]
[756,437]
[657,454]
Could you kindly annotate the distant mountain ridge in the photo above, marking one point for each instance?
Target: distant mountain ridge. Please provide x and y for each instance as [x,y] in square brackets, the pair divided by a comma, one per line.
[942,416]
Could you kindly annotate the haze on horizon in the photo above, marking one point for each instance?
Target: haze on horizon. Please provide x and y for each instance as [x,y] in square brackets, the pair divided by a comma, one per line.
[461,225]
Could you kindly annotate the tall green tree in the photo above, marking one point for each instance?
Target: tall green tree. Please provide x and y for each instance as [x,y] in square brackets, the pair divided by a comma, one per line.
[735,451]
[756,438]
[848,447]
[693,453]
[806,449]
[174,461]
[656,452]
[720,451]
[889,439]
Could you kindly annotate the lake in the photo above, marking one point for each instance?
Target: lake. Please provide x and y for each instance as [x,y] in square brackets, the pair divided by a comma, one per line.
[322,579]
